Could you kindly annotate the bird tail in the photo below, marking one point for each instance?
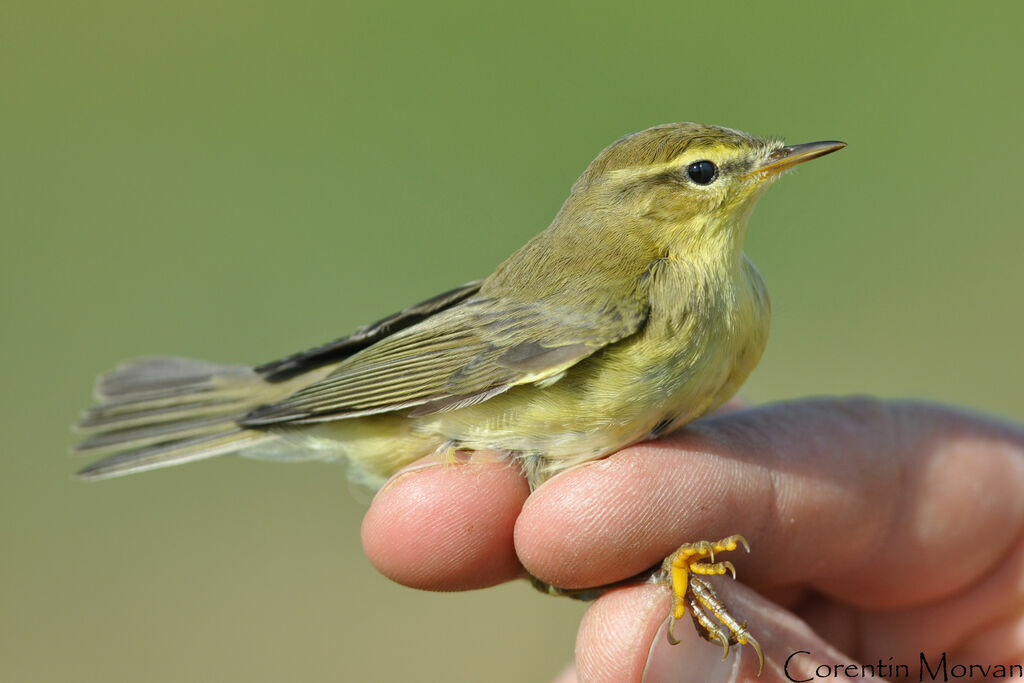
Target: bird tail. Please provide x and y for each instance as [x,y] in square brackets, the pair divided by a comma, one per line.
[162,411]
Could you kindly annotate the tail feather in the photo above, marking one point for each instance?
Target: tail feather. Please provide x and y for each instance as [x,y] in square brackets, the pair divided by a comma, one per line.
[148,434]
[160,373]
[101,418]
[173,453]
[162,411]
[172,397]
[155,396]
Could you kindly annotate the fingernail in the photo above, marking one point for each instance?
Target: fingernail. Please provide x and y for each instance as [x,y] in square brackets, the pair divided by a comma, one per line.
[693,659]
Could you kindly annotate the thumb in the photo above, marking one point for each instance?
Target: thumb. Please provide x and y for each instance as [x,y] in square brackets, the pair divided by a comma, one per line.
[623,637]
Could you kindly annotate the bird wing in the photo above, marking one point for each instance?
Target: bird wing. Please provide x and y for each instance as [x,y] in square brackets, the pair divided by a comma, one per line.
[459,356]
[339,349]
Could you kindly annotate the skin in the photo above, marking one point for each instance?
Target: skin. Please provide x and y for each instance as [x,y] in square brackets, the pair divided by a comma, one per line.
[880,529]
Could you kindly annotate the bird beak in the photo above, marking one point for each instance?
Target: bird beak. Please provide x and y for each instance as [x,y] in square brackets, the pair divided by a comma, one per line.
[791,155]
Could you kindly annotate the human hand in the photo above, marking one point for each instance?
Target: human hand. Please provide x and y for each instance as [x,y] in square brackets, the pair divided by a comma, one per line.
[880,531]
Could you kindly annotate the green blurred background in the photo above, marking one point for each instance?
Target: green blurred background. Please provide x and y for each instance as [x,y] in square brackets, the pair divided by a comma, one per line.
[238,180]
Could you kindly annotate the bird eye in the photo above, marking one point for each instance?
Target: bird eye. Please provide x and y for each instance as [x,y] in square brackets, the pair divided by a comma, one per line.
[702,172]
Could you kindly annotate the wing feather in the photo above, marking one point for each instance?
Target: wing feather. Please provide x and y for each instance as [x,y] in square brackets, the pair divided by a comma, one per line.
[332,352]
[459,356]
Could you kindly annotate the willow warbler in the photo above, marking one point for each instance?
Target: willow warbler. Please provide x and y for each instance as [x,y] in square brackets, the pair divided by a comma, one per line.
[635,312]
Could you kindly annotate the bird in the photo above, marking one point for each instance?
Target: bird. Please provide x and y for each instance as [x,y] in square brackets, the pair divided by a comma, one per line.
[634,313]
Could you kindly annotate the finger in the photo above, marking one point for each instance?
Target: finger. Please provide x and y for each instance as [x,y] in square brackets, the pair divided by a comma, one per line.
[447,526]
[880,504]
[615,634]
[623,638]
[983,624]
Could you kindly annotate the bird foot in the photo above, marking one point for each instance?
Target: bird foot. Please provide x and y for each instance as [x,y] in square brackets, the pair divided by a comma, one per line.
[681,572]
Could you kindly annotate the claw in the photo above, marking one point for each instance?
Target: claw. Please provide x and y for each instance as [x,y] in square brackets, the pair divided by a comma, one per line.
[757,648]
[720,637]
[672,640]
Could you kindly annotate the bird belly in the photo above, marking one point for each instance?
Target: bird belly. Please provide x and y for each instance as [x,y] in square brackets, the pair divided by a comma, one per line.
[375,446]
